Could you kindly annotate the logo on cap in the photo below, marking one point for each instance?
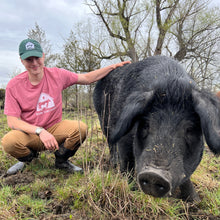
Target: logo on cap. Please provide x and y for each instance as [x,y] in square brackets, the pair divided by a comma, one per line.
[29,46]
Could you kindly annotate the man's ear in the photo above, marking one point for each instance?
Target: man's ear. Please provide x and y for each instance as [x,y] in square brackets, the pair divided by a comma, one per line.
[43,57]
[22,61]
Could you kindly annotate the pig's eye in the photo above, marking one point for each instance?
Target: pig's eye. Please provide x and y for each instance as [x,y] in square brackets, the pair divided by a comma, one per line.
[143,131]
[191,135]
[189,131]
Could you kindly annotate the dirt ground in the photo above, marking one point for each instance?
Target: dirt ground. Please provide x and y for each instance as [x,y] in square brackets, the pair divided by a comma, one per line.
[58,210]
[61,210]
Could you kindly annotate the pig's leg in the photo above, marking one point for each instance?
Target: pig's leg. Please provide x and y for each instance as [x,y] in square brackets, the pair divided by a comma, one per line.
[188,192]
[126,155]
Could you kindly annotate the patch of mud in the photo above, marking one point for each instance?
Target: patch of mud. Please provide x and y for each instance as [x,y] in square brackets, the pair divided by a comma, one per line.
[19,179]
[62,210]
[45,194]
[73,216]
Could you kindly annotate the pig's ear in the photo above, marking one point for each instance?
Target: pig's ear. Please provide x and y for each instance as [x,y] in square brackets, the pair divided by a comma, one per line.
[207,107]
[135,105]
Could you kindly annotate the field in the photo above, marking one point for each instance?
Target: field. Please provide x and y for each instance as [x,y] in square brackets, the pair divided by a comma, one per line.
[42,192]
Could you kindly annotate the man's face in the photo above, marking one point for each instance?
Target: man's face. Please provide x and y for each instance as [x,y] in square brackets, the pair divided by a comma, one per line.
[34,65]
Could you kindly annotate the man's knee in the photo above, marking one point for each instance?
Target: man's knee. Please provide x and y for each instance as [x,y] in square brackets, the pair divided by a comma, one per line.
[83,129]
[8,143]
[11,144]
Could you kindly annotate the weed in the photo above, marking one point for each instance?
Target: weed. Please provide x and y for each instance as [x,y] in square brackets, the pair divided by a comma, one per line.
[42,192]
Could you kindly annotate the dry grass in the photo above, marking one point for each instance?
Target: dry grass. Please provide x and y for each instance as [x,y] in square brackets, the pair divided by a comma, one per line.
[41,192]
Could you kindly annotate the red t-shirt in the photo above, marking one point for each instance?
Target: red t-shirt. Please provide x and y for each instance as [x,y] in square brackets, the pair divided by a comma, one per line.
[39,105]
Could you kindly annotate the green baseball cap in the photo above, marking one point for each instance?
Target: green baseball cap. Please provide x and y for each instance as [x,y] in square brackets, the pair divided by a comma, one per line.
[30,48]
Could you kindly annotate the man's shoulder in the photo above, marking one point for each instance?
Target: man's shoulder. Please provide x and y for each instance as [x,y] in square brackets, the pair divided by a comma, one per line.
[51,69]
[54,71]
[58,72]
[20,78]
[64,78]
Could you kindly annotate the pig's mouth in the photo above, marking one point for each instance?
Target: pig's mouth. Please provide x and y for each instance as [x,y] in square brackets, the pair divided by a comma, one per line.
[155,182]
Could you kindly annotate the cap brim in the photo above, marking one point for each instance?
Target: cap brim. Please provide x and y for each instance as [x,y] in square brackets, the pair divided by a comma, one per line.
[31,53]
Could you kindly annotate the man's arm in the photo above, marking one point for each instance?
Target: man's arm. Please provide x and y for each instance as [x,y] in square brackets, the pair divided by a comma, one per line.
[93,76]
[17,124]
[48,139]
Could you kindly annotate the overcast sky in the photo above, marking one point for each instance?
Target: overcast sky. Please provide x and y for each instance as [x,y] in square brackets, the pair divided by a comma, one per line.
[17,17]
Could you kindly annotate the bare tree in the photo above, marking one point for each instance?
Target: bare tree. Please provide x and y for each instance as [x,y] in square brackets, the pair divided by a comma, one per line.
[38,34]
[197,35]
[68,60]
[164,24]
[187,30]
[78,57]
[89,62]
[123,21]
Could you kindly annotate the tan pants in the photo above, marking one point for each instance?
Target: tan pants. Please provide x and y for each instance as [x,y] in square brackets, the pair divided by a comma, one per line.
[71,133]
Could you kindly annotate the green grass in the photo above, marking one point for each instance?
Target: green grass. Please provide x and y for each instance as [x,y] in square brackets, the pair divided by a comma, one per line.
[41,192]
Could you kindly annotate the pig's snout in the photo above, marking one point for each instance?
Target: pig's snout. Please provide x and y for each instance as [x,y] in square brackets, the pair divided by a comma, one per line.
[155,182]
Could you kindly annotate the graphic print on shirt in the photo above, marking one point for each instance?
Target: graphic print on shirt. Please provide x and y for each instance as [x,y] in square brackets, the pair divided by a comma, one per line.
[45,104]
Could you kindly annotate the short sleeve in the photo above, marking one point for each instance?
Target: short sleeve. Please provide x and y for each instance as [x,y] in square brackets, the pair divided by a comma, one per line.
[12,107]
[69,78]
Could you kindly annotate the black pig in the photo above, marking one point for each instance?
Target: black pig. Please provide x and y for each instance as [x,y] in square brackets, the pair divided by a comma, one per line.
[154,116]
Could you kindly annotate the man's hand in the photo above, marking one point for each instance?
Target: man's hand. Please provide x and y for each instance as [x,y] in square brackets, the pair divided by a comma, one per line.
[93,76]
[120,64]
[48,140]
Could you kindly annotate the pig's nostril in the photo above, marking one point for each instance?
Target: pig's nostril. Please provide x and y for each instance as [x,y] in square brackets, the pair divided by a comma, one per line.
[161,188]
[145,183]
